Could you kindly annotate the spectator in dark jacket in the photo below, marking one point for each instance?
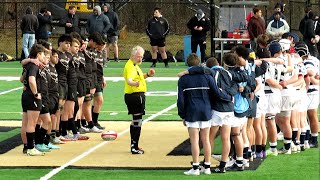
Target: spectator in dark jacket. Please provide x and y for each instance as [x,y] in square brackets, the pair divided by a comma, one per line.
[29,25]
[113,32]
[256,26]
[199,25]
[308,32]
[317,31]
[98,22]
[303,21]
[70,21]
[45,19]
[157,30]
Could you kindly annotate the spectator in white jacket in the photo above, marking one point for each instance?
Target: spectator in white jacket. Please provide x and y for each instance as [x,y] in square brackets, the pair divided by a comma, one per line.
[277,27]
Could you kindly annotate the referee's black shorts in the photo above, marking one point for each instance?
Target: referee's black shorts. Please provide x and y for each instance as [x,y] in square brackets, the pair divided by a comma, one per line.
[135,103]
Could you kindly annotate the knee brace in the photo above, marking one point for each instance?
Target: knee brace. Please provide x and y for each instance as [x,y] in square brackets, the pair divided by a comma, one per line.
[60,107]
[270,117]
[137,121]
[284,113]
[235,134]
[88,98]
[97,94]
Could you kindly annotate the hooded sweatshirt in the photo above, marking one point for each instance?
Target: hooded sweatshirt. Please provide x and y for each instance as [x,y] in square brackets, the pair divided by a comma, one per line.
[199,20]
[98,23]
[29,23]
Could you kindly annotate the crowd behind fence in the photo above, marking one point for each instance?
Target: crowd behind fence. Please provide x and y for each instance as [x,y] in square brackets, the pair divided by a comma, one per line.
[133,19]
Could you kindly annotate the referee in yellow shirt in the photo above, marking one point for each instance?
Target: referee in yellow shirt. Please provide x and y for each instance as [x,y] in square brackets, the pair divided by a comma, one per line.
[135,87]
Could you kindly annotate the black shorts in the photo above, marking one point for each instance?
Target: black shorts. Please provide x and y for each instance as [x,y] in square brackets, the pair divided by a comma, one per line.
[94,81]
[252,111]
[72,94]
[99,88]
[53,104]
[135,103]
[29,102]
[63,91]
[89,83]
[45,108]
[158,42]
[81,88]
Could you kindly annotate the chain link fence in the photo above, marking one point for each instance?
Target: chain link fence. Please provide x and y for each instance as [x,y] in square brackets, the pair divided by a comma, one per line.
[133,15]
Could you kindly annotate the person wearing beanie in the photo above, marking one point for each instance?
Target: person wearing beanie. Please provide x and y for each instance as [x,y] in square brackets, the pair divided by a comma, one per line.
[29,25]
[199,25]
[277,27]
[278,8]
[98,22]
[113,32]
[157,30]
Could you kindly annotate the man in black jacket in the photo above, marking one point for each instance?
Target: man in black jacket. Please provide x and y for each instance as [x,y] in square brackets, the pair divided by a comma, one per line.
[199,25]
[157,30]
[113,32]
[307,29]
[44,18]
[70,21]
[29,24]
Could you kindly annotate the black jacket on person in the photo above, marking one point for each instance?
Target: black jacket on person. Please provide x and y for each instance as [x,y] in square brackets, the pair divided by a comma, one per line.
[42,31]
[203,22]
[74,20]
[158,28]
[29,23]
[306,27]
[115,23]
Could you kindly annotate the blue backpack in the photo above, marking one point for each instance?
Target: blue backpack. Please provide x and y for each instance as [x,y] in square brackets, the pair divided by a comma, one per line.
[241,103]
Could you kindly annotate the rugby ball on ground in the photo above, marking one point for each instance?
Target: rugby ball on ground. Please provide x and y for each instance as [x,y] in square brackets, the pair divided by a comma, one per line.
[109,135]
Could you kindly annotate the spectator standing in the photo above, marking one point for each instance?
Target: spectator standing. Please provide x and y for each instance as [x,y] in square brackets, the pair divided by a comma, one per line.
[70,21]
[98,22]
[45,19]
[277,27]
[317,30]
[278,8]
[199,26]
[29,25]
[157,30]
[113,32]
[256,26]
[307,29]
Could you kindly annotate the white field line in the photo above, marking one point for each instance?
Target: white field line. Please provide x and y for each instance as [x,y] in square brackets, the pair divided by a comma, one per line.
[11,90]
[114,79]
[57,170]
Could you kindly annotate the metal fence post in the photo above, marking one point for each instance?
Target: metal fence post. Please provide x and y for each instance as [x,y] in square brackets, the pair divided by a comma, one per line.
[213,27]
[16,10]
